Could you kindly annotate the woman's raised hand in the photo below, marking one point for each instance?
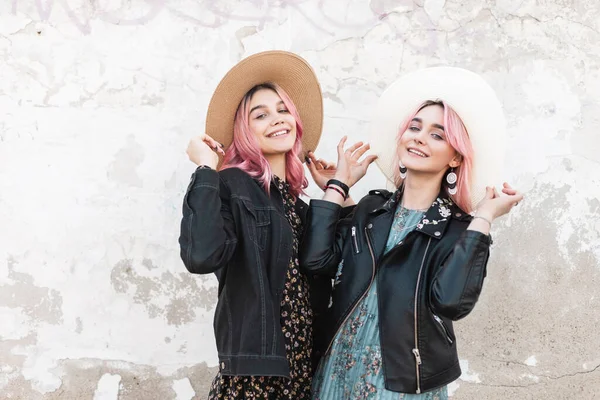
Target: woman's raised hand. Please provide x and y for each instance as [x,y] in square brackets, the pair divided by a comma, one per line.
[350,167]
[204,150]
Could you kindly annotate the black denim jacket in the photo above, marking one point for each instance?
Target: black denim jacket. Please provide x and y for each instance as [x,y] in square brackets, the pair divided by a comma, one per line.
[232,228]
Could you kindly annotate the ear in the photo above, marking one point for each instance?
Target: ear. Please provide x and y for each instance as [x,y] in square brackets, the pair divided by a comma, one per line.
[456,161]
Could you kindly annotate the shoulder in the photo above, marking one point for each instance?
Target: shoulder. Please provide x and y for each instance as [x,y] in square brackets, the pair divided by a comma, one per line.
[375,199]
[460,215]
[233,175]
[383,193]
[239,183]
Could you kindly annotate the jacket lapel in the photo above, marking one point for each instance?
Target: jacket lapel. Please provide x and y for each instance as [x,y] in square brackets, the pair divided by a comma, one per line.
[436,219]
[381,221]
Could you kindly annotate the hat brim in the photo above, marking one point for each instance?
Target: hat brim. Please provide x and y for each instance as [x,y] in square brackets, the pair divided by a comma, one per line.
[288,70]
[469,95]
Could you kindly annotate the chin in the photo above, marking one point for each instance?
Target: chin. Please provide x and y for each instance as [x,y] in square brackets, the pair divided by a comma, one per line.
[277,151]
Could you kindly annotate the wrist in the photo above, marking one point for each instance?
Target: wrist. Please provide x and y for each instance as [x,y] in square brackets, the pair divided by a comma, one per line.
[342,178]
[335,183]
[338,190]
[488,216]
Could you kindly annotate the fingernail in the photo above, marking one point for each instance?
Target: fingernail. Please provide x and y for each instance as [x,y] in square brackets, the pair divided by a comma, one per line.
[307,159]
[222,145]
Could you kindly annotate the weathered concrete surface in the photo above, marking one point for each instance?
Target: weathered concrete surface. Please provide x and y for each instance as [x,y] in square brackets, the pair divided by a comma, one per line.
[99,99]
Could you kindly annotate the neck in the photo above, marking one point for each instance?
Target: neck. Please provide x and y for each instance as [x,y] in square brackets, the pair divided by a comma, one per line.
[277,163]
[420,191]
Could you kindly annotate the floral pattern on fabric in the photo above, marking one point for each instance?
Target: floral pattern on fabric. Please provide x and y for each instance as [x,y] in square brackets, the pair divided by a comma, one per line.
[296,325]
[443,208]
[353,369]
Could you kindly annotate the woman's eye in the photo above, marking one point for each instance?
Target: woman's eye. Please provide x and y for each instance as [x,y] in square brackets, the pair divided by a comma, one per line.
[414,128]
[284,110]
[437,136]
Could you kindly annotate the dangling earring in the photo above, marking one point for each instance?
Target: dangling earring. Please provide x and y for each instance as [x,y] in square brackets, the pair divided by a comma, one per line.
[403,170]
[451,178]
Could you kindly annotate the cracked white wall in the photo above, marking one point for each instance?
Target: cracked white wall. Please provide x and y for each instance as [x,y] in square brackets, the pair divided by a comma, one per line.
[99,99]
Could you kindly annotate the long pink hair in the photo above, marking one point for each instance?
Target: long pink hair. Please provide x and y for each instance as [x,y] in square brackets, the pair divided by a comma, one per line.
[458,137]
[245,154]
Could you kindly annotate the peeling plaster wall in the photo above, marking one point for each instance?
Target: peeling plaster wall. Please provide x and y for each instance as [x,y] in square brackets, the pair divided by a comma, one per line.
[99,99]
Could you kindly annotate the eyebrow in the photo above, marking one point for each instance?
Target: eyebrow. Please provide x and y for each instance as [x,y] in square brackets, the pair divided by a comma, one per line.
[263,106]
[419,120]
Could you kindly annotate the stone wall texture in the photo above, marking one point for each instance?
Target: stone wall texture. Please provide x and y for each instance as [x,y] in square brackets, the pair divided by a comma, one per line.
[98,99]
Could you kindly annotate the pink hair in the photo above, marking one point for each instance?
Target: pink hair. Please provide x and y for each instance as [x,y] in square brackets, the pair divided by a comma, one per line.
[245,154]
[458,137]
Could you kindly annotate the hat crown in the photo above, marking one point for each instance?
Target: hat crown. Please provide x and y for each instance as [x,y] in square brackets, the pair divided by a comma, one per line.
[469,95]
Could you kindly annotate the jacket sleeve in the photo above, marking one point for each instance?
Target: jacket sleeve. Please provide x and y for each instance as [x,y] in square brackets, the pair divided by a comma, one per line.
[457,285]
[321,249]
[208,237]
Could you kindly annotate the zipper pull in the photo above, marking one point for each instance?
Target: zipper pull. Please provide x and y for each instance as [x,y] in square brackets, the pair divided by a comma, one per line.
[354,240]
[417,356]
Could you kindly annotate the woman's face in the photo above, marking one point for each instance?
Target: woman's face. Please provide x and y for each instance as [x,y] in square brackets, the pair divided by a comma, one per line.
[423,147]
[271,123]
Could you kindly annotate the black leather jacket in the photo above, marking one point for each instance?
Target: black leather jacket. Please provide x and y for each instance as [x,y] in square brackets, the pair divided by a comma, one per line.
[431,278]
[232,228]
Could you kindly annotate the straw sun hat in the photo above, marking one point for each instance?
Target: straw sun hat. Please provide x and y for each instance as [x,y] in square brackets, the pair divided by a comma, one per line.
[287,70]
[469,95]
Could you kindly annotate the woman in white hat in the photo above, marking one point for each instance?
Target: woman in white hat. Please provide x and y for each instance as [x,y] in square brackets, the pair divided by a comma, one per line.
[243,218]
[406,264]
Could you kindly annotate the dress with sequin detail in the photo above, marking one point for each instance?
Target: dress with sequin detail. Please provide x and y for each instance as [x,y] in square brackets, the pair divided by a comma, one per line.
[296,325]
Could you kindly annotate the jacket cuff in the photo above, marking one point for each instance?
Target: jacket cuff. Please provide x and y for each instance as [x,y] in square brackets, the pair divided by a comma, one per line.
[326,206]
[204,177]
[479,236]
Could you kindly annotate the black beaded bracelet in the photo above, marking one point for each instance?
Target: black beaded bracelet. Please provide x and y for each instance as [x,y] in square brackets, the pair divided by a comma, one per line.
[340,184]
[204,167]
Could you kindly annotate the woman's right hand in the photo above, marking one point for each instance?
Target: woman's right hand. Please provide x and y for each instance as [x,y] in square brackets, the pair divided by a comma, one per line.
[204,150]
[349,169]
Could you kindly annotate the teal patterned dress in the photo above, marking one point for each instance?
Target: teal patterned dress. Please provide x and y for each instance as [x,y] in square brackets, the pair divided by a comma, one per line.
[352,370]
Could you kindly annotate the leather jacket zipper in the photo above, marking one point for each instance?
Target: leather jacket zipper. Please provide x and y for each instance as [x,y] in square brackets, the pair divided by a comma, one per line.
[441,323]
[367,228]
[415,351]
[355,240]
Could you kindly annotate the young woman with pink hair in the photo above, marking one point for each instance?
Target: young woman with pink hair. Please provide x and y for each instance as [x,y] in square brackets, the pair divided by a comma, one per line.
[407,263]
[243,220]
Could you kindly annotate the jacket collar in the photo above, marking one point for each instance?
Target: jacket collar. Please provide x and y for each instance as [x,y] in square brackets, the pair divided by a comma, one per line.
[436,218]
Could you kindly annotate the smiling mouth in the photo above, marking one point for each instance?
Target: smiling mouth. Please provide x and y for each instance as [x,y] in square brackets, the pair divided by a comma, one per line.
[278,133]
[418,153]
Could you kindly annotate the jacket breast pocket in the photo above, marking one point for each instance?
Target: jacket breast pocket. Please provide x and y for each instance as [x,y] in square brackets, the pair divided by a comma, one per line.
[258,224]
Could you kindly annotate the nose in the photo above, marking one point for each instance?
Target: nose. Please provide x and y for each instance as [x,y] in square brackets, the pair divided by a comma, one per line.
[278,119]
[419,136]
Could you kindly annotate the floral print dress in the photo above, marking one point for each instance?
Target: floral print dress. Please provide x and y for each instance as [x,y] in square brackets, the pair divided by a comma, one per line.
[352,370]
[296,325]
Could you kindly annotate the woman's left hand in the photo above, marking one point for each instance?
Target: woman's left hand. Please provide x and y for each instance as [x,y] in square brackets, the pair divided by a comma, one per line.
[495,205]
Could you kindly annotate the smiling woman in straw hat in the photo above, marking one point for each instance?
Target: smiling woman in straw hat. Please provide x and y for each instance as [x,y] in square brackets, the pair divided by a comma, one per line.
[243,219]
[406,264]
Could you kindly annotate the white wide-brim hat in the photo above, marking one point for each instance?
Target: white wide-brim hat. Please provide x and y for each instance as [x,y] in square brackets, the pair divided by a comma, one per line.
[469,95]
